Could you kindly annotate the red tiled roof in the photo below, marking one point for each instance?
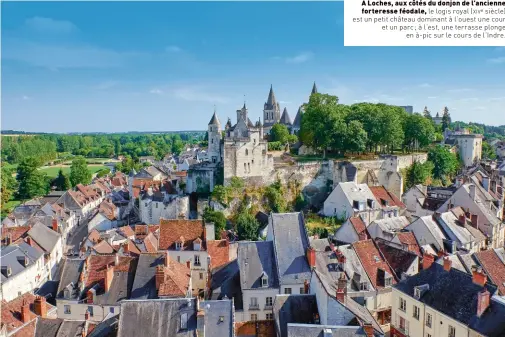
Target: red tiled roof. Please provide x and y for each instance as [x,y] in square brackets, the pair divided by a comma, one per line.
[97,267]
[126,231]
[108,210]
[494,268]
[358,224]
[381,193]
[151,243]
[372,261]
[176,282]
[219,252]
[409,239]
[94,236]
[14,232]
[173,230]
[11,313]
[132,247]
[103,247]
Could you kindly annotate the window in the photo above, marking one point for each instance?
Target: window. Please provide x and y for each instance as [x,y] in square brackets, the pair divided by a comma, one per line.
[179,259]
[66,309]
[452,331]
[249,167]
[197,260]
[245,167]
[111,310]
[270,316]
[388,281]
[246,152]
[403,305]
[269,301]
[428,320]
[302,290]
[156,205]
[178,245]
[428,335]
[363,286]
[254,303]
[254,317]
[287,291]
[184,321]
[201,276]
[90,310]
[212,140]
[416,312]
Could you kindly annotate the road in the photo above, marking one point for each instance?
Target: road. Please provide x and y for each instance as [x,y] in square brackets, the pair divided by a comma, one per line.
[75,238]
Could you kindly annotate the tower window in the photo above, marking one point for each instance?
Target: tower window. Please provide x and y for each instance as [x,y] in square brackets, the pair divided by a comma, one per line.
[212,140]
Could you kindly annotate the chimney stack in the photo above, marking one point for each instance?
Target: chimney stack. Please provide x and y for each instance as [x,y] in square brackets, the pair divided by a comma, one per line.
[126,250]
[462,219]
[447,264]
[8,239]
[159,276]
[482,301]
[167,259]
[478,277]
[86,315]
[341,288]
[368,328]
[25,311]
[428,260]
[29,241]
[40,306]
[188,264]
[311,257]
[109,275]
[55,225]
[306,287]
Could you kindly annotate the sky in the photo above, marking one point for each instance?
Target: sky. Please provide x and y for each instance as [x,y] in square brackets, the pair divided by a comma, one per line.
[165,66]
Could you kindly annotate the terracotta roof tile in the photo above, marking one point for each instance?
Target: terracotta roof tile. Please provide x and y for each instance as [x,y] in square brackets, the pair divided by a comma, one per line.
[96,266]
[372,260]
[15,233]
[219,252]
[151,243]
[108,210]
[103,247]
[172,231]
[381,193]
[132,247]
[494,268]
[358,224]
[126,231]
[94,236]
[409,239]
[176,282]
[11,313]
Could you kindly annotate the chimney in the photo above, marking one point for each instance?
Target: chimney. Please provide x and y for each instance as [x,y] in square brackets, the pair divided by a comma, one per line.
[167,259]
[116,260]
[447,264]
[159,276]
[200,323]
[482,301]
[40,306]
[109,275]
[55,225]
[25,311]
[126,250]
[311,257]
[472,191]
[368,328]
[485,183]
[428,260]
[90,295]
[188,264]
[86,315]
[29,241]
[462,219]
[478,277]
[306,287]
[8,239]
[341,288]
[475,220]
[224,235]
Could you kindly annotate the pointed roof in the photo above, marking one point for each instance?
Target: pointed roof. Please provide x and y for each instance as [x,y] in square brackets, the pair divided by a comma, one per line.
[285,119]
[271,102]
[314,88]
[298,117]
[214,120]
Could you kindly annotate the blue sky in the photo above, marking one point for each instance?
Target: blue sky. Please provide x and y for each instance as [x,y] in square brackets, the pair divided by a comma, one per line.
[138,66]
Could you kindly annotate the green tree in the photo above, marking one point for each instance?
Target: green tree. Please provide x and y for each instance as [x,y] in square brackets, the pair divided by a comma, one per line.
[275,197]
[32,182]
[220,194]
[419,131]
[300,202]
[279,133]
[445,163]
[446,119]
[103,172]
[79,172]
[487,151]
[62,181]
[427,113]
[217,218]
[356,138]
[9,185]
[247,226]
[419,173]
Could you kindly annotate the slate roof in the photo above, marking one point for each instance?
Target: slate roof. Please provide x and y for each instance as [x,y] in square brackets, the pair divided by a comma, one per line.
[381,193]
[44,237]
[372,261]
[285,119]
[46,327]
[392,225]
[144,286]
[218,319]
[359,192]
[254,258]
[294,309]
[119,289]
[160,318]
[173,230]
[298,118]
[271,103]
[494,268]
[459,303]
[13,256]
[225,283]
[400,260]
[290,245]
[97,267]
[214,120]
[310,330]
[72,269]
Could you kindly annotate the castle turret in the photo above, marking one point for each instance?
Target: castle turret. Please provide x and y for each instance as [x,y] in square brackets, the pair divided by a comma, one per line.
[214,136]
[271,111]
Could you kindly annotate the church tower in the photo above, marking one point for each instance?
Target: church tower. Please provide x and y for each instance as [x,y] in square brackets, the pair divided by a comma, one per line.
[214,136]
[271,111]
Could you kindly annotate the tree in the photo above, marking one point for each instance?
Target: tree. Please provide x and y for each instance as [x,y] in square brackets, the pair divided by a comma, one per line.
[275,197]
[487,151]
[217,218]
[446,119]
[279,133]
[419,173]
[419,131]
[62,182]
[356,137]
[32,182]
[427,113]
[445,163]
[79,172]
[247,226]
[103,172]
[220,194]
[9,185]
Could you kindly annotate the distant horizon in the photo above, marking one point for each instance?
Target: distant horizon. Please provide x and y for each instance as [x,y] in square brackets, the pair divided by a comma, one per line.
[145,65]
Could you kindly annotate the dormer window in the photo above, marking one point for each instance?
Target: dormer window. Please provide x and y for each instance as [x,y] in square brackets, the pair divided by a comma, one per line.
[178,245]
[264,280]
[417,293]
[197,244]
[184,321]
[388,281]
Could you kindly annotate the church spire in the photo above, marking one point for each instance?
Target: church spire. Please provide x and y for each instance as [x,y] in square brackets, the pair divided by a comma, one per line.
[314,89]
[214,120]
[271,102]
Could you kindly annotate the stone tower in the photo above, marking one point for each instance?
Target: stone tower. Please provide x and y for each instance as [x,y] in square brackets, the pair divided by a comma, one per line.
[214,135]
[271,111]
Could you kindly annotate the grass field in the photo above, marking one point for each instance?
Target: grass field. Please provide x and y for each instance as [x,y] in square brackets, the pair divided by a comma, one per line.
[53,171]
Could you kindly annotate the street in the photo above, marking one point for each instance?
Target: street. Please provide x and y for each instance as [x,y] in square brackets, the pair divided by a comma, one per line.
[75,238]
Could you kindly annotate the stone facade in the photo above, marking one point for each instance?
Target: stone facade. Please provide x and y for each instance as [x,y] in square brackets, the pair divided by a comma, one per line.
[469,148]
[171,207]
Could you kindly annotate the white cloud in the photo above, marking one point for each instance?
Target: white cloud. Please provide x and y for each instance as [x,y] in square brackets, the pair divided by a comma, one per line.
[497,60]
[300,58]
[156,91]
[425,85]
[173,49]
[50,26]
[198,94]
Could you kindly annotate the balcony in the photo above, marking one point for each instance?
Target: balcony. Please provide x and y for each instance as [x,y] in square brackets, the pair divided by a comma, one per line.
[254,307]
[268,307]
